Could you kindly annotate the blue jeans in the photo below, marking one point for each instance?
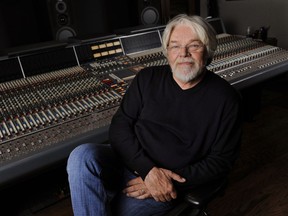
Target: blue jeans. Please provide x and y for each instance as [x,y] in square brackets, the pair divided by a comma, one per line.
[96,179]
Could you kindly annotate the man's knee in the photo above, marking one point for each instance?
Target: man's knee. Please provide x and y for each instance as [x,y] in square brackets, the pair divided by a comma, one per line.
[79,157]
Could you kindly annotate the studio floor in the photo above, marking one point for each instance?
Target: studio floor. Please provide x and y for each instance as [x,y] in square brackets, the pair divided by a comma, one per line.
[258,185]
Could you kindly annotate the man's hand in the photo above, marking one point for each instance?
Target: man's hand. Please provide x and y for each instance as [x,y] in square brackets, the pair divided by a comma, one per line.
[159,183]
[137,189]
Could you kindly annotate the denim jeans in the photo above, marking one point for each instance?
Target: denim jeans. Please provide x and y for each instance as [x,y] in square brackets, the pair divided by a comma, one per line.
[96,179]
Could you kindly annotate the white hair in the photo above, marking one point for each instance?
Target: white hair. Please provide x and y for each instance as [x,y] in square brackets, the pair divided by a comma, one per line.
[203,29]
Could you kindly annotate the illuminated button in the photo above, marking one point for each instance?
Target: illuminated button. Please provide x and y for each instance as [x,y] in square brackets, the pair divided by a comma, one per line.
[116,43]
[95,47]
[105,53]
[109,44]
[96,55]
[112,52]
[102,46]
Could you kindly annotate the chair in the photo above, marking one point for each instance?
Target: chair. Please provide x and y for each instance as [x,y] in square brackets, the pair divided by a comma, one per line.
[195,201]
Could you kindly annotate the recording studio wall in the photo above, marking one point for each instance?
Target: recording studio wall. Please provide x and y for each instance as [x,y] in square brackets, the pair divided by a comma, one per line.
[238,15]
[23,23]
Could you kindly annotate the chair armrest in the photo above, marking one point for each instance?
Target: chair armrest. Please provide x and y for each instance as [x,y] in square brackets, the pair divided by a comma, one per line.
[202,195]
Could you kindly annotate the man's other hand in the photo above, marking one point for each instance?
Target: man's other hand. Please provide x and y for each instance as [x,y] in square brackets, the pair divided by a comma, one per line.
[137,189]
[159,183]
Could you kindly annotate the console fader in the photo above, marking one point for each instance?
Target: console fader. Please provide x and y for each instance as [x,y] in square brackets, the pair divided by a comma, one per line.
[55,99]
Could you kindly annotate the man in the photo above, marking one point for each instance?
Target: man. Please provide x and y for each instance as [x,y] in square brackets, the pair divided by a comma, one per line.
[177,127]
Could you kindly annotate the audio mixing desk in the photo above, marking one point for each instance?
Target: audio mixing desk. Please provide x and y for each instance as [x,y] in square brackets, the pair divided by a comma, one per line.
[54,99]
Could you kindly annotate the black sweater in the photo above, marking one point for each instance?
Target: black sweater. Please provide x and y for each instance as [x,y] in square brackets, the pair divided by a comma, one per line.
[194,132]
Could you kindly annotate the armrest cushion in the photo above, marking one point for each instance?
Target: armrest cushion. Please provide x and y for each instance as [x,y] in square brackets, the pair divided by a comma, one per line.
[200,196]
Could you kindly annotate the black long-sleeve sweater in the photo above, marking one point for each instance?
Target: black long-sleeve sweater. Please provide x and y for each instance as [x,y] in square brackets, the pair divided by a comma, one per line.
[194,132]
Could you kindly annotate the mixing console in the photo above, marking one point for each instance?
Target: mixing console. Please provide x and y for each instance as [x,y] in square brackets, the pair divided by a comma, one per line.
[238,59]
[55,99]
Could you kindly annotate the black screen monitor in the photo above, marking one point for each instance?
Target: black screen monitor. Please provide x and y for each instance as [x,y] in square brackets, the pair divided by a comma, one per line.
[217,24]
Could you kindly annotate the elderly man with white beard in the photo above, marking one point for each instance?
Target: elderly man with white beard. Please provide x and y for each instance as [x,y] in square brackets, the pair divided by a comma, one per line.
[178,127]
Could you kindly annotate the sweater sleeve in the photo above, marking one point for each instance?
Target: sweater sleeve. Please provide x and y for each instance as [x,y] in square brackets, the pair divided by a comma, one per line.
[122,134]
[223,153]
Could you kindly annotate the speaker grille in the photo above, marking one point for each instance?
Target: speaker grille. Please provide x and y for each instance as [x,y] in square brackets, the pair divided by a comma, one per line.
[65,33]
[149,16]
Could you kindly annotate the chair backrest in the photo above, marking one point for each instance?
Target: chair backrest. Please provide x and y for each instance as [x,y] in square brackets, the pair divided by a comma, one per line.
[197,199]
[201,196]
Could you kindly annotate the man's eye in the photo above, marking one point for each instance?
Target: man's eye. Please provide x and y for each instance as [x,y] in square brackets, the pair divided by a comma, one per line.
[175,47]
[195,46]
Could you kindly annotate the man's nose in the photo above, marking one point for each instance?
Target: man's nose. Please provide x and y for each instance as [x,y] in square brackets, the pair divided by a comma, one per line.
[184,51]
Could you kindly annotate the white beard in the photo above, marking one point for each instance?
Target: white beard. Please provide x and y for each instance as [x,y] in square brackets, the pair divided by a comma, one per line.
[186,73]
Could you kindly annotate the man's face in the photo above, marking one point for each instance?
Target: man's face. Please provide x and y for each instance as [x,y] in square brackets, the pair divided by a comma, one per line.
[185,53]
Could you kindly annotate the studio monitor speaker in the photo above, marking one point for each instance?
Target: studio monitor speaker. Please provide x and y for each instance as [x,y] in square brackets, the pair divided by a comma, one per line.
[61,19]
[150,12]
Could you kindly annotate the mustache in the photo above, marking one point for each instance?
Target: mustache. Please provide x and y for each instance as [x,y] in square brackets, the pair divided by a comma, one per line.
[184,60]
